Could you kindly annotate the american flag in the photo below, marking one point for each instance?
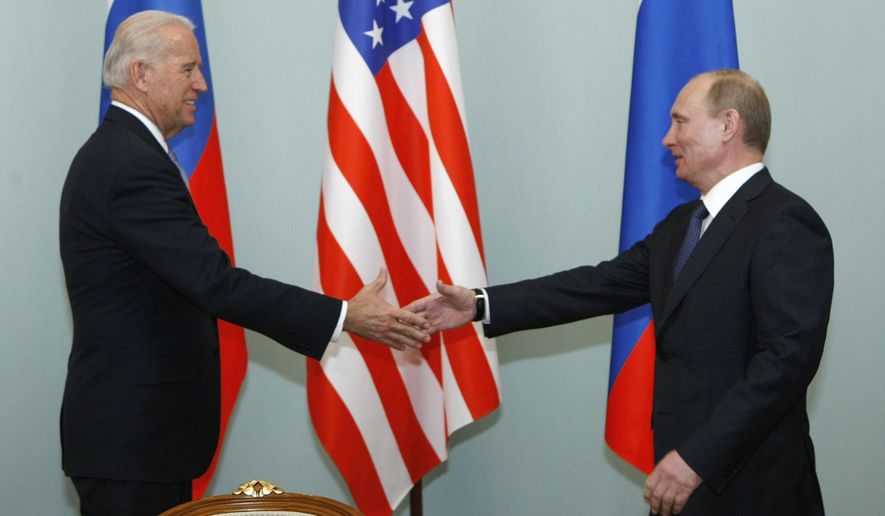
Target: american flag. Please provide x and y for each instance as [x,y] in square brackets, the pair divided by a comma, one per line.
[397,192]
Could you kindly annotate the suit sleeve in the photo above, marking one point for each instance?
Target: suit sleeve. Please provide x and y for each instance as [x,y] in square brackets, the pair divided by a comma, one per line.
[154,220]
[610,287]
[791,287]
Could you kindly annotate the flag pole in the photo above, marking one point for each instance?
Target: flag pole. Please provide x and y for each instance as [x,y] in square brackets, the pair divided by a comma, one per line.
[416,506]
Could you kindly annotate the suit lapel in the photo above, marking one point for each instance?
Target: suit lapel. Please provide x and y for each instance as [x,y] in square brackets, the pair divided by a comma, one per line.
[712,240]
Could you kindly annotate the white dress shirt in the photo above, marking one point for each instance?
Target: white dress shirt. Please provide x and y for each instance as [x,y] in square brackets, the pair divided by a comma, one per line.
[720,194]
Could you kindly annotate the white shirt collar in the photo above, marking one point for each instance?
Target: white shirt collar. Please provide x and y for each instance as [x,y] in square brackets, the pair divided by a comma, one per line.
[152,127]
[716,198]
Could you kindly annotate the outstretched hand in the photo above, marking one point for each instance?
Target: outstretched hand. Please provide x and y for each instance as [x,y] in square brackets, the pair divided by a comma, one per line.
[369,316]
[451,307]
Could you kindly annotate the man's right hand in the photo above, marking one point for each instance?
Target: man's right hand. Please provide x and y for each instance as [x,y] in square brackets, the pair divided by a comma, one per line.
[451,307]
[370,317]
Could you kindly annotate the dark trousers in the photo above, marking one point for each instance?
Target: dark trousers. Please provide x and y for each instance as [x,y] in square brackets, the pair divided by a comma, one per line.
[103,497]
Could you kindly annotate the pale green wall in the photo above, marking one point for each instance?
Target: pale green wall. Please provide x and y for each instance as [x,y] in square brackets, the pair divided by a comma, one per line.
[547,91]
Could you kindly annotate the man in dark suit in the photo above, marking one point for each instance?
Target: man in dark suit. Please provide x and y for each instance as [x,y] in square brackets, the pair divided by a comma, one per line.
[146,282]
[740,320]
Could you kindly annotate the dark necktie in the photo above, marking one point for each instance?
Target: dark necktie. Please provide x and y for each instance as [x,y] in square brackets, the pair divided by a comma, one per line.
[180,168]
[691,238]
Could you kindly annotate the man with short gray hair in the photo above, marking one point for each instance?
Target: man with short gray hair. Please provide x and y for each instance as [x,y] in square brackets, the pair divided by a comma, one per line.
[740,284]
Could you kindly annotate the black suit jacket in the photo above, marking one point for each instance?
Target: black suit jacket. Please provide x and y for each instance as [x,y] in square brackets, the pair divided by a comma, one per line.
[739,337]
[146,282]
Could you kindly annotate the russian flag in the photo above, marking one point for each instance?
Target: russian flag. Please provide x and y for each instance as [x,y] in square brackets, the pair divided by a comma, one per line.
[674,42]
[199,153]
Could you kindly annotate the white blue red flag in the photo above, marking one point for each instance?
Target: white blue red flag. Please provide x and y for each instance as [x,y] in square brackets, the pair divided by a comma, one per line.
[398,192]
[199,153]
[673,44]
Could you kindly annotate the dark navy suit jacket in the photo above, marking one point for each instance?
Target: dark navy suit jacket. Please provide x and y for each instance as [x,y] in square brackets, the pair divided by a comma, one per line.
[739,338]
[146,282]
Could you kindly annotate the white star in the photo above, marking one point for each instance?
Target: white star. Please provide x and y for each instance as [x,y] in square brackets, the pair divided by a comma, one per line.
[378,2]
[375,34]
[402,10]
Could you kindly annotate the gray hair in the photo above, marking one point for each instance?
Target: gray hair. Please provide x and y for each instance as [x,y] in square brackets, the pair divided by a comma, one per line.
[138,39]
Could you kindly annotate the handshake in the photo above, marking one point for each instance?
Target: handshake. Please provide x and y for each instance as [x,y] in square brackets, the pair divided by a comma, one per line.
[369,316]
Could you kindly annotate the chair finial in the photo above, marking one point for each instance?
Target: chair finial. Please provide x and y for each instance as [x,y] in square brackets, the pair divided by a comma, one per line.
[257,489]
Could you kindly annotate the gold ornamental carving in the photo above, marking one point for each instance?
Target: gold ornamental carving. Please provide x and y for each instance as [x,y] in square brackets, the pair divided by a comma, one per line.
[257,489]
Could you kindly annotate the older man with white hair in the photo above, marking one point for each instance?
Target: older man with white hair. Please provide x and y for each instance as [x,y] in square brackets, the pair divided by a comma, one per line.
[146,282]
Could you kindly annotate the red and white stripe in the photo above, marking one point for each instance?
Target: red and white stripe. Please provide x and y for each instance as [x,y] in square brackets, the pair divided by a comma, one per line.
[398,192]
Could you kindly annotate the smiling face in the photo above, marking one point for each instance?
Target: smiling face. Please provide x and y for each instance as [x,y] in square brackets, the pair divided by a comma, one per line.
[171,85]
[695,137]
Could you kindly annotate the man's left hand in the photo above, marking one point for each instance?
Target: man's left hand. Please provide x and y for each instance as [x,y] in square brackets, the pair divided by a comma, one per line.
[670,485]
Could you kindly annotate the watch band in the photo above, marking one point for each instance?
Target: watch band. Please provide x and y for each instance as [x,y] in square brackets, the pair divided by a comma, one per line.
[480,300]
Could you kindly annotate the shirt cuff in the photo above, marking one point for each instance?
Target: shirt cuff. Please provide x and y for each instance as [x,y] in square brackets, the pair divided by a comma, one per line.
[340,326]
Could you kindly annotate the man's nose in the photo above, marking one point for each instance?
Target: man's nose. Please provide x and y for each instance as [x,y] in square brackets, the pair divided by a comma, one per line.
[200,82]
[668,138]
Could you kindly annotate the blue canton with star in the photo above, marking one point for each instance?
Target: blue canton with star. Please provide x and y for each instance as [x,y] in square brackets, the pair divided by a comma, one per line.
[378,28]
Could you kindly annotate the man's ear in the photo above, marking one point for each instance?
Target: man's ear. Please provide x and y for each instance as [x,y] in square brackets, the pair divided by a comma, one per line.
[731,123]
[138,75]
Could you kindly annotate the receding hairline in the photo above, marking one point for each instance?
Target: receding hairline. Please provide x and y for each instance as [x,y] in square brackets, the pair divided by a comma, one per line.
[694,83]
[714,76]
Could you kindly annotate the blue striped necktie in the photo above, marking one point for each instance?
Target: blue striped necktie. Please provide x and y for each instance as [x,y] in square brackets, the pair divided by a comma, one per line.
[180,168]
[691,238]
